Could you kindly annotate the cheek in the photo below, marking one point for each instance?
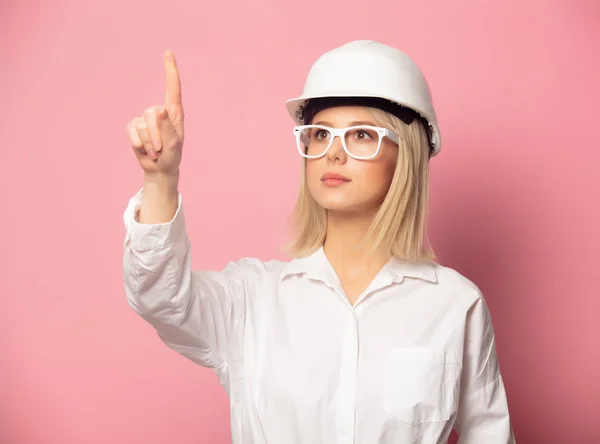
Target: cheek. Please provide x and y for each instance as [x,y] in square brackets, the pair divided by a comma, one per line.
[376,178]
[387,169]
[311,171]
[378,173]
[313,177]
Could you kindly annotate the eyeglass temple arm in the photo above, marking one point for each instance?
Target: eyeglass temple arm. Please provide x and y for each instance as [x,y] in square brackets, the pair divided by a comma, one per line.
[304,138]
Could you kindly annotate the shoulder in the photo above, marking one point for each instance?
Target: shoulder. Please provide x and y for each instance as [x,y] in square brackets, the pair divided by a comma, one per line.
[464,295]
[253,267]
[456,285]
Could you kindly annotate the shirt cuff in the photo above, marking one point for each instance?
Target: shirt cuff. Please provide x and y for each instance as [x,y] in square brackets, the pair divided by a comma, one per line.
[152,236]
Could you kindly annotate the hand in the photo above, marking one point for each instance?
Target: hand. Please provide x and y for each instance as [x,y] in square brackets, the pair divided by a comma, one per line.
[157,136]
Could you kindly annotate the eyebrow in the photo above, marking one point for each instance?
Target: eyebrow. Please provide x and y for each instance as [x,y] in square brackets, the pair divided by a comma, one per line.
[355,123]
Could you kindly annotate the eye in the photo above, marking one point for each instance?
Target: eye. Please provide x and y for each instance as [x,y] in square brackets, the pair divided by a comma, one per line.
[321,134]
[364,135]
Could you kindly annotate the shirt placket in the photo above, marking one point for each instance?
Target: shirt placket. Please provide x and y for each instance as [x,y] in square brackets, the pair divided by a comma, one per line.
[347,387]
[346,408]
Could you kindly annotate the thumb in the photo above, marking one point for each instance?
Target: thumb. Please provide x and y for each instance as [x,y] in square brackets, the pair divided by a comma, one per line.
[175,115]
[167,130]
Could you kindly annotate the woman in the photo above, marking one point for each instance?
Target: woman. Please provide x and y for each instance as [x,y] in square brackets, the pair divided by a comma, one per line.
[361,338]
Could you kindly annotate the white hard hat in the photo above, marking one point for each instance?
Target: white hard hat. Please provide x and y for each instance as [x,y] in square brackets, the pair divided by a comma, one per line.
[364,68]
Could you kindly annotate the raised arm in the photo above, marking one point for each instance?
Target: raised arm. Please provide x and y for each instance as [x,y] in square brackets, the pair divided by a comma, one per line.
[197,313]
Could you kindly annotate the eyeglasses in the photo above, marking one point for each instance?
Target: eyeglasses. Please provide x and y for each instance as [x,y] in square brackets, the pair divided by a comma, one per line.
[359,142]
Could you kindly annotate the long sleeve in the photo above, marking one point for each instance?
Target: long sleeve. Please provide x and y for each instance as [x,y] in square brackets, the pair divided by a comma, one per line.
[199,314]
[483,415]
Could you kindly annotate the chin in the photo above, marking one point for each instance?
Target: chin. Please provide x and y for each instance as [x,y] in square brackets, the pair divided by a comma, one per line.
[340,203]
[344,199]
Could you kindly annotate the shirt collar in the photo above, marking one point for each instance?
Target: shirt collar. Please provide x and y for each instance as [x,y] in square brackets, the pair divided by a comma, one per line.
[312,264]
[317,266]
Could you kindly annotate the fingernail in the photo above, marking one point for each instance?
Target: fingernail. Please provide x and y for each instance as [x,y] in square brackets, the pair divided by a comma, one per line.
[156,144]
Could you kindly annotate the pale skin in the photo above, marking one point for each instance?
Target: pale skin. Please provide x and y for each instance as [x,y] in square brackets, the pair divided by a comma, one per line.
[352,206]
[157,140]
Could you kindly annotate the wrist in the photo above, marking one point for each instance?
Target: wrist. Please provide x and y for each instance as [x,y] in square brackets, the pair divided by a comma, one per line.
[162,181]
[159,199]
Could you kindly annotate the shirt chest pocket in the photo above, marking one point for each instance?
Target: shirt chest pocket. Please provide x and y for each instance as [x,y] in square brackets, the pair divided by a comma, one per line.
[420,384]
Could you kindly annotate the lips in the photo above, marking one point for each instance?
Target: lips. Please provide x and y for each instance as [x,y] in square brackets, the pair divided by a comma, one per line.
[334,176]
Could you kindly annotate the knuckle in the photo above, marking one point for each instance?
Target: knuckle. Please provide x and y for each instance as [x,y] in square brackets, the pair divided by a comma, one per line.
[141,125]
[132,124]
[150,111]
[135,143]
[152,127]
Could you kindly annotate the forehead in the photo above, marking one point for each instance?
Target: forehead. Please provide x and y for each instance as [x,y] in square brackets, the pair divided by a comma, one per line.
[344,115]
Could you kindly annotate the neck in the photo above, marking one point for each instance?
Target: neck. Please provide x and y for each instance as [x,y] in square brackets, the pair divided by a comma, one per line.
[345,244]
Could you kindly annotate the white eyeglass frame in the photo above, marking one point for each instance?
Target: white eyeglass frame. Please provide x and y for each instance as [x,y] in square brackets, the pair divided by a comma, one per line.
[341,133]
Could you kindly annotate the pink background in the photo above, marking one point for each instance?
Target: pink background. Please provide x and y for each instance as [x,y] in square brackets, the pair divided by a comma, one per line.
[514,192]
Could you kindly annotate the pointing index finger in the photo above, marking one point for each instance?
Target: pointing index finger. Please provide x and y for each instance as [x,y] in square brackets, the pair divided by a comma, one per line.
[173,93]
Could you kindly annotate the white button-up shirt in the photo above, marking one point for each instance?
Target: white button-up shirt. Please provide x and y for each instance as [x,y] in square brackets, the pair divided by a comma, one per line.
[413,358]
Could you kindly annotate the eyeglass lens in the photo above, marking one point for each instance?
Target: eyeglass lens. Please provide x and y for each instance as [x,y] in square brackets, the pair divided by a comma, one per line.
[361,141]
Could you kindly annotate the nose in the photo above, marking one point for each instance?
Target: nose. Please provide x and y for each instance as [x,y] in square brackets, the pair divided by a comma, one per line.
[336,151]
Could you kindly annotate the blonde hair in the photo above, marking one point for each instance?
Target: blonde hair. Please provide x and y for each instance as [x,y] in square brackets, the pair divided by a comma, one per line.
[400,222]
